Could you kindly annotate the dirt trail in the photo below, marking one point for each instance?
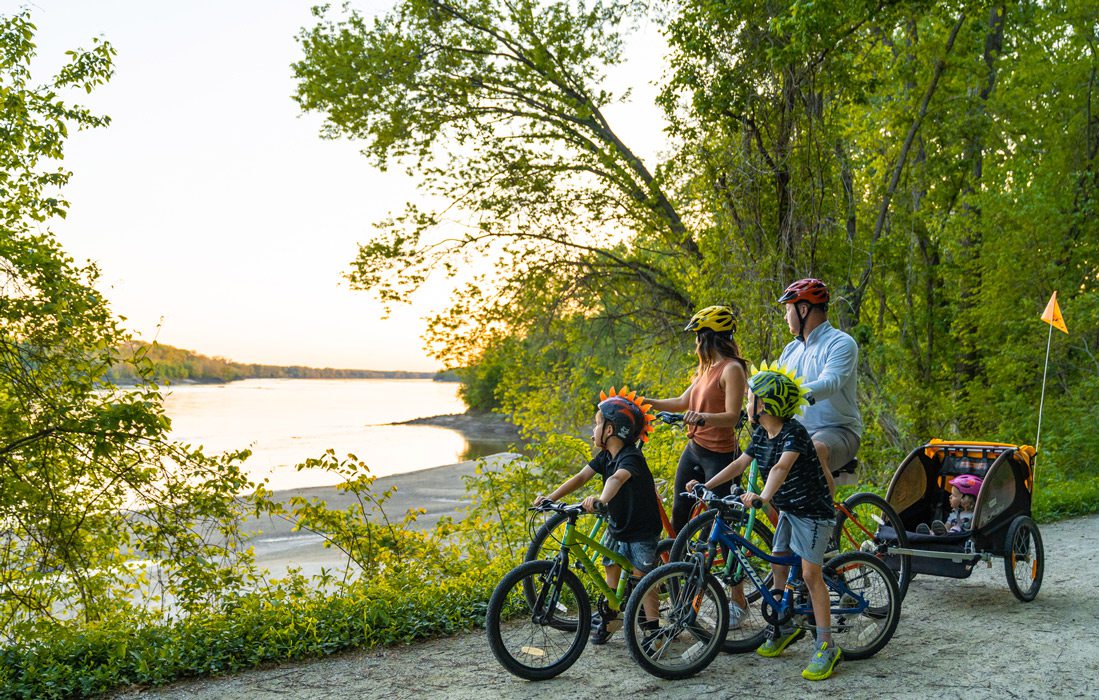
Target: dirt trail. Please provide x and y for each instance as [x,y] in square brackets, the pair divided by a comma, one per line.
[969,639]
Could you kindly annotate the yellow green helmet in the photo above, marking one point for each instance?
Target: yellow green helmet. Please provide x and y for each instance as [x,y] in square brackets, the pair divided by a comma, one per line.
[719,319]
[779,390]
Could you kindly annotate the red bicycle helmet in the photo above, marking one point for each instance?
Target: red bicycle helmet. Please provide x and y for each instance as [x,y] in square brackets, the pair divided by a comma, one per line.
[968,484]
[809,289]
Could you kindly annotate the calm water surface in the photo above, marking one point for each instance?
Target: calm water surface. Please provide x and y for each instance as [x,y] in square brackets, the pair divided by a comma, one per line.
[285,421]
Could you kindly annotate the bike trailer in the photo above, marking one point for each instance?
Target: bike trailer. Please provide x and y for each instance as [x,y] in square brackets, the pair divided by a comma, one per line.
[1002,526]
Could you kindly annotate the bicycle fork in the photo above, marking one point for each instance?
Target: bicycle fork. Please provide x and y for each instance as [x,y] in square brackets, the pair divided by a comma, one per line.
[551,590]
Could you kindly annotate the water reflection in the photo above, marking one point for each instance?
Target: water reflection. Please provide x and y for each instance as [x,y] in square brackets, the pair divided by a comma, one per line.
[286,421]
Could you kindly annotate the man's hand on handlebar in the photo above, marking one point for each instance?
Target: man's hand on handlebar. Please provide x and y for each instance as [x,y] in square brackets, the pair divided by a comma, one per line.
[539,500]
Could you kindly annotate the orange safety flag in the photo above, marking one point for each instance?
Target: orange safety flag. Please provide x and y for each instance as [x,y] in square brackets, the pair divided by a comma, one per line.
[1052,315]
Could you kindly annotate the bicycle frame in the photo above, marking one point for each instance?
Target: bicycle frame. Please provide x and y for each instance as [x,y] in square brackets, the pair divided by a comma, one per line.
[579,544]
[725,536]
[749,523]
[849,517]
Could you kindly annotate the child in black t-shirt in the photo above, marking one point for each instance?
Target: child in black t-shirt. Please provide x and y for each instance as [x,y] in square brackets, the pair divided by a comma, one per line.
[629,493]
[795,485]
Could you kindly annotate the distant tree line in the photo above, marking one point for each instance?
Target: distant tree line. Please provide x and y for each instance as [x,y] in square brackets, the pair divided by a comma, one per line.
[176,364]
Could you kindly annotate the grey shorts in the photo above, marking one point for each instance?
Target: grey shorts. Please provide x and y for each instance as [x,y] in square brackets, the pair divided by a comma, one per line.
[641,554]
[806,537]
[842,444]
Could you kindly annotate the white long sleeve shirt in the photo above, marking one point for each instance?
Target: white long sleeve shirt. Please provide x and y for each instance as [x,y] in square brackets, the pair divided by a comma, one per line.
[828,359]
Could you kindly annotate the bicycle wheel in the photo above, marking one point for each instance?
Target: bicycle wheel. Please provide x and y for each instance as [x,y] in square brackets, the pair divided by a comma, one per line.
[522,636]
[874,528]
[1025,559]
[865,603]
[692,620]
[747,631]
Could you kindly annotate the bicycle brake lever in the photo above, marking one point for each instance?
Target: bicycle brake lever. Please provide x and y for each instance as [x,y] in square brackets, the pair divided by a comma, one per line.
[669,418]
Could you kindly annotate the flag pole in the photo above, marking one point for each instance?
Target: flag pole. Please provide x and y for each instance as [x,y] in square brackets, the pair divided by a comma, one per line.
[1041,406]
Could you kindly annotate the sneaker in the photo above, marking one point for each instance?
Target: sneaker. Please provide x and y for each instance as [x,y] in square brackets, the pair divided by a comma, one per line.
[653,639]
[736,613]
[823,662]
[777,640]
[938,527]
[605,629]
[923,529]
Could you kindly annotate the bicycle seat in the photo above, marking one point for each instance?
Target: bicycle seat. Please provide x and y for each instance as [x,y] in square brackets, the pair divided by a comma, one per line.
[846,474]
[849,468]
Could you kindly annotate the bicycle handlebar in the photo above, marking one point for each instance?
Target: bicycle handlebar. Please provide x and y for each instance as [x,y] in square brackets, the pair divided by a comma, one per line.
[733,499]
[558,507]
[669,418]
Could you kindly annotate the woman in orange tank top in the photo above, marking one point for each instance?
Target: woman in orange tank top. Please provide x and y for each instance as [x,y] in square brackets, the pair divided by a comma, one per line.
[712,403]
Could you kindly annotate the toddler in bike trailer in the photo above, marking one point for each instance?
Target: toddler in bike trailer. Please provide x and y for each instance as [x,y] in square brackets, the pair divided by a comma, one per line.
[629,494]
[795,485]
[963,497]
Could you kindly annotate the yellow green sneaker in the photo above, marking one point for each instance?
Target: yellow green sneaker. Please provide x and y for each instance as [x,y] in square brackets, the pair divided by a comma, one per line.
[777,640]
[823,662]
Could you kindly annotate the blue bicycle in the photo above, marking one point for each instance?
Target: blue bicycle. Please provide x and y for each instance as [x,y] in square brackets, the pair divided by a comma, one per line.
[694,610]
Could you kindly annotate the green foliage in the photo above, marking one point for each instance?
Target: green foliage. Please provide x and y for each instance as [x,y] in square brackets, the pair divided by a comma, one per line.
[101,517]
[934,162]
[402,585]
[290,621]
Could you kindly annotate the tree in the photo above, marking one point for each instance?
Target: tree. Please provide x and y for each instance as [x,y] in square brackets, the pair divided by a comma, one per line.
[498,110]
[933,160]
[89,482]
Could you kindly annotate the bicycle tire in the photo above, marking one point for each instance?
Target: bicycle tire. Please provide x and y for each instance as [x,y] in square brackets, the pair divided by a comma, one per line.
[1025,559]
[849,578]
[749,631]
[529,648]
[692,622]
[856,534]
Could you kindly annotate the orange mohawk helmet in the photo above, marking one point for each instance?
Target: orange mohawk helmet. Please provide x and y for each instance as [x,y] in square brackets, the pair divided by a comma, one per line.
[626,412]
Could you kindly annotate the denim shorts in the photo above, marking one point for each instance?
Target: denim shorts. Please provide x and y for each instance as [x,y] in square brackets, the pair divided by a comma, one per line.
[641,554]
[806,537]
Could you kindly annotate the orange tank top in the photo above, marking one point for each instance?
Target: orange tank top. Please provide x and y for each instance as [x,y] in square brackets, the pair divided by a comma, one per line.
[708,396]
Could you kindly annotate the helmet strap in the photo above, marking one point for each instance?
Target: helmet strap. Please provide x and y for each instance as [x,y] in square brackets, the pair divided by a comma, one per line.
[802,318]
[754,412]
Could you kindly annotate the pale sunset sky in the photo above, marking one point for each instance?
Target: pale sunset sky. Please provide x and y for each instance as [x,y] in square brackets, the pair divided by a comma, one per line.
[211,205]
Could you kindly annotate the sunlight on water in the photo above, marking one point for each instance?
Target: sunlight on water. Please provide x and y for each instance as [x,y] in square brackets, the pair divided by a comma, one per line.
[285,421]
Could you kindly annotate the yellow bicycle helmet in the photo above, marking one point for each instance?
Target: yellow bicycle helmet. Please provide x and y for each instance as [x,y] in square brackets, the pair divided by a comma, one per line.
[719,319]
[779,390]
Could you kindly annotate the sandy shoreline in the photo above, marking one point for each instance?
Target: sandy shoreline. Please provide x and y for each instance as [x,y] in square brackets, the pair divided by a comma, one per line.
[439,490]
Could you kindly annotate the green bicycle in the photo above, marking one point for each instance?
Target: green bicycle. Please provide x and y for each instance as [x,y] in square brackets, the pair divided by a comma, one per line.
[539,615]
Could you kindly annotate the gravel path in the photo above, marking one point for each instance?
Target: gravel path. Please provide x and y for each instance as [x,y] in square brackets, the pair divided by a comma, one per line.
[967,638]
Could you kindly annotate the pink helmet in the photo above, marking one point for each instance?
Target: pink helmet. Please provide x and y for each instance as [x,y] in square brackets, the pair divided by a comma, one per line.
[968,484]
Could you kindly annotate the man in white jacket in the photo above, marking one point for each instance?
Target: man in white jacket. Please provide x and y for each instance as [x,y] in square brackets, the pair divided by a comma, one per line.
[828,360]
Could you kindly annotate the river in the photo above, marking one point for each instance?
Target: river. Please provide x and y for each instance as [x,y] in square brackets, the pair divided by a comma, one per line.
[285,421]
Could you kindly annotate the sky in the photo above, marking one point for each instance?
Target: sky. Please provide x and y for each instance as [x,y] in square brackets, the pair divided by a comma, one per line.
[220,220]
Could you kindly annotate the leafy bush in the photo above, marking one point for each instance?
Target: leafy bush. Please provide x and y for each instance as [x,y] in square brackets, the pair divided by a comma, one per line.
[288,621]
